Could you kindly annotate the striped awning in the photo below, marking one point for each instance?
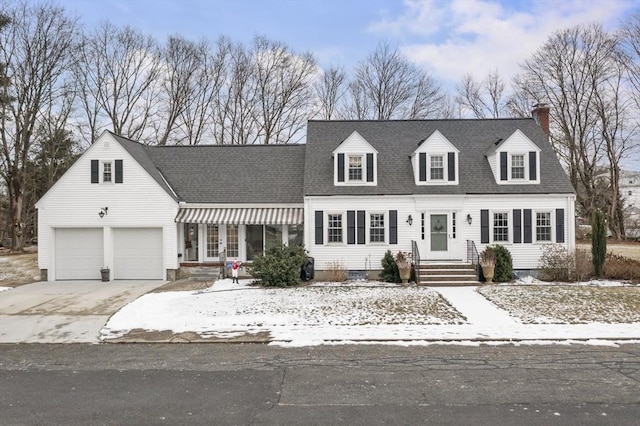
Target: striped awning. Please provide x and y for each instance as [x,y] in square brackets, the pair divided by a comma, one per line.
[242,216]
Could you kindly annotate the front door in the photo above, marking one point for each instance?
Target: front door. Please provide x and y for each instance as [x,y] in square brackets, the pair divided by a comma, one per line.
[438,236]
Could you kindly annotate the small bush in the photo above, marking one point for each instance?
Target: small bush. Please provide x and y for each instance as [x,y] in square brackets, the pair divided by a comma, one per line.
[582,266]
[504,264]
[556,262]
[336,271]
[621,268]
[280,266]
[390,273]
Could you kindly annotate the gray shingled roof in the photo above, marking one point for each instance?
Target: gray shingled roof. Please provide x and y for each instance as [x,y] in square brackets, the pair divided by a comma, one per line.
[253,174]
[397,140]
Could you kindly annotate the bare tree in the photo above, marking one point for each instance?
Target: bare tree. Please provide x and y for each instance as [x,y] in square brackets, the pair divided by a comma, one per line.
[329,91]
[182,62]
[283,82]
[577,70]
[630,43]
[118,71]
[386,86]
[484,99]
[37,48]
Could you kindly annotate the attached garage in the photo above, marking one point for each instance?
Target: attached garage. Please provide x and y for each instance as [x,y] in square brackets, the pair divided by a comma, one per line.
[79,253]
[137,254]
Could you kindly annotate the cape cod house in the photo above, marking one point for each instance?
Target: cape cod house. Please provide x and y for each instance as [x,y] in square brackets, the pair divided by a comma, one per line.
[437,188]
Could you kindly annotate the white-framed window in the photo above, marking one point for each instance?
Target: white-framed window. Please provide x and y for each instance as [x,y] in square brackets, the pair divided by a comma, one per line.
[334,228]
[543,226]
[213,238]
[232,241]
[355,168]
[106,172]
[500,226]
[376,228]
[518,166]
[436,167]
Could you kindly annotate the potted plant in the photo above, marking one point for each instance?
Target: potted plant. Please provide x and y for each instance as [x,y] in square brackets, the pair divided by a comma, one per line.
[403,260]
[488,263]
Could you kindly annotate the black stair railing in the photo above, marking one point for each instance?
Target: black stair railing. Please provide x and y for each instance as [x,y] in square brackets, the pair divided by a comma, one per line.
[473,257]
[415,256]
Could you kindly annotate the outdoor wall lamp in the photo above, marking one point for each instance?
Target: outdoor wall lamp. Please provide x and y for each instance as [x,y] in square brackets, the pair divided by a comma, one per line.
[103,211]
[410,220]
[469,219]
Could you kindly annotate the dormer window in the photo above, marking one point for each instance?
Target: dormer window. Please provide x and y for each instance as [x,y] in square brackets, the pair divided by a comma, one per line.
[517,166]
[436,169]
[355,162]
[355,168]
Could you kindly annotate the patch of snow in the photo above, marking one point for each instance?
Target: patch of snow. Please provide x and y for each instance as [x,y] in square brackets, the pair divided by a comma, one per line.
[5,288]
[362,312]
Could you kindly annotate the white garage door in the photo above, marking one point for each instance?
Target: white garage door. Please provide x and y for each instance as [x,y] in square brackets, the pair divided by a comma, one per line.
[79,253]
[137,254]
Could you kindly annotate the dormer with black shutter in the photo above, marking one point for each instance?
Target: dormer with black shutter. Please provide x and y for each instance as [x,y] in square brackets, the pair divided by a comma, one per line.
[355,162]
[435,162]
[515,160]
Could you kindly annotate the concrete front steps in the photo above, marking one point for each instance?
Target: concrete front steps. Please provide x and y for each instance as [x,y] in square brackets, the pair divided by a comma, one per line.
[204,273]
[451,273]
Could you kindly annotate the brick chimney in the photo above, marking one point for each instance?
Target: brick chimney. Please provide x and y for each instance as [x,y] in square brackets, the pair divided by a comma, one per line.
[540,113]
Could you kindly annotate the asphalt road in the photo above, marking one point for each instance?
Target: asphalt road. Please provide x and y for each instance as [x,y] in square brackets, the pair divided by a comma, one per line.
[227,384]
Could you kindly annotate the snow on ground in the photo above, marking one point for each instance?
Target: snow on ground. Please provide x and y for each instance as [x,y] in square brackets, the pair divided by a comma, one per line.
[362,312]
[5,288]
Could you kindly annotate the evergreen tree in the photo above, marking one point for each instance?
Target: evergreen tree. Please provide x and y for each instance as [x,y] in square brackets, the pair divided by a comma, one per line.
[598,242]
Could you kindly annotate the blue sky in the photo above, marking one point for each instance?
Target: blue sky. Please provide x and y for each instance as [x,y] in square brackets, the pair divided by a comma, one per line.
[449,38]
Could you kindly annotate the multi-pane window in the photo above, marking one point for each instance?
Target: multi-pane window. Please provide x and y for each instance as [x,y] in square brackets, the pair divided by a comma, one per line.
[106,172]
[517,166]
[376,228]
[437,167]
[501,226]
[232,241]
[213,237]
[355,168]
[543,226]
[334,228]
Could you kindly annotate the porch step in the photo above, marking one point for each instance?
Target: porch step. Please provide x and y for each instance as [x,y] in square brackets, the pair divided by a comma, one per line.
[453,273]
[204,273]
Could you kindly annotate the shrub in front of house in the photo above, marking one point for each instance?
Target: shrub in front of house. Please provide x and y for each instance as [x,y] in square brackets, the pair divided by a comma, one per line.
[504,264]
[618,267]
[280,265]
[336,272]
[390,272]
[556,262]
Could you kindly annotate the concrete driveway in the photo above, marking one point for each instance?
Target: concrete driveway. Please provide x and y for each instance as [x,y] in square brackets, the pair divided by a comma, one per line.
[64,311]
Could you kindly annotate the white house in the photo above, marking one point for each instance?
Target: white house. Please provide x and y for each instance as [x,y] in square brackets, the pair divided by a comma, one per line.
[442,189]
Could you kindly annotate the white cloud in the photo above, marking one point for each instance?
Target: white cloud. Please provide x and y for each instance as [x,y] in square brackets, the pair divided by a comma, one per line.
[477,36]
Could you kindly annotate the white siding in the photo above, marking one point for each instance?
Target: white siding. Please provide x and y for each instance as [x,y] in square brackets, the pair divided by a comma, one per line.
[75,202]
[354,256]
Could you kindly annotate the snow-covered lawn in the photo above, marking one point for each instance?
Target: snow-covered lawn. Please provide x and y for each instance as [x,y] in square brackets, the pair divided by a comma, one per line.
[567,304]
[18,269]
[368,311]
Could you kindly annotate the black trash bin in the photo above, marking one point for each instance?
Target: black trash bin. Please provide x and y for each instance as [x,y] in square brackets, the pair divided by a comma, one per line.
[307,272]
[105,274]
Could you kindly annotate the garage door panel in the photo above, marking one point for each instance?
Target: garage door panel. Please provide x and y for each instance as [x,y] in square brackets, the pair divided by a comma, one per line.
[79,253]
[137,253]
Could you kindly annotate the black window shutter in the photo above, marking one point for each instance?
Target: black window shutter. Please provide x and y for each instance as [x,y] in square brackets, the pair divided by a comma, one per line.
[517,226]
[451,159]
[393,226]
[423,166]
[503,166]
[559,225]
[340,167]
[351,227]
[319,226]
[369,167]
[527,226]
[533,169]
[118,171]
[94,171]
[361,226]
[484,226]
